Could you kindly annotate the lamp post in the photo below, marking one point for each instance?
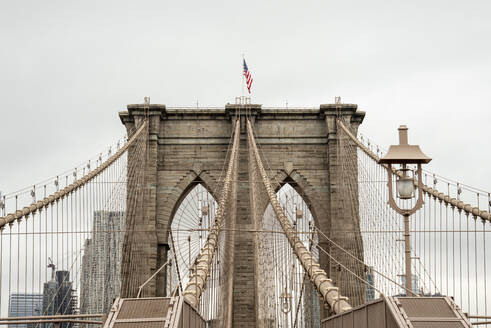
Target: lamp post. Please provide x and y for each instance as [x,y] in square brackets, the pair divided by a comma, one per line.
[286,301]
[403,155]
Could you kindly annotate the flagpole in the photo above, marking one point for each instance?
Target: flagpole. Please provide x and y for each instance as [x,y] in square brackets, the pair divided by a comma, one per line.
[243,77]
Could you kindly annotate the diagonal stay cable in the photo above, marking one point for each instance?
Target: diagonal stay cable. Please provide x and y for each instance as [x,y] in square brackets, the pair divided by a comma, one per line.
[318,276]
[332,242]
[467,208]
[201,268]
[347,269]
[70,188]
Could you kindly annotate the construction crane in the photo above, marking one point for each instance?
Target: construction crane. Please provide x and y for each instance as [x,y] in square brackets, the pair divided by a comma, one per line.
[53,268]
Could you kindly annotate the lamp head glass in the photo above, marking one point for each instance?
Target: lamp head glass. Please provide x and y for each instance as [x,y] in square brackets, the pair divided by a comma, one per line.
[405,185]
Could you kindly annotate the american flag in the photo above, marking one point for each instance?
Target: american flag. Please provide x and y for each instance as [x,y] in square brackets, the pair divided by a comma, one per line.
[248,77]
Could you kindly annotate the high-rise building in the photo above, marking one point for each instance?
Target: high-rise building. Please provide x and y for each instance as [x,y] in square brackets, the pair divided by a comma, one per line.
[414,284]
[370,290]
[25,305]
[101,262]
[86,278]
[59,297]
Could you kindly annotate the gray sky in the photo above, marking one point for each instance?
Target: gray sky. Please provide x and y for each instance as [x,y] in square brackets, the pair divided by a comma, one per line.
[68,67]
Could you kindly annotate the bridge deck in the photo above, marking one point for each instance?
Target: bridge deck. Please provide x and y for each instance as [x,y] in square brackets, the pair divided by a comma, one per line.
[402,312]
[154,312]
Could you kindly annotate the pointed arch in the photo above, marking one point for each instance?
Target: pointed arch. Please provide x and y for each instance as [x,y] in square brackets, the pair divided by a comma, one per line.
[280,270]
[192,216]
[319,208]
[170,198]
[187,185]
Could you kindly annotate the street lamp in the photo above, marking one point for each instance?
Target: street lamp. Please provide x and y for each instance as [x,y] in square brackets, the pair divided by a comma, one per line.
[286,301]
[402,155]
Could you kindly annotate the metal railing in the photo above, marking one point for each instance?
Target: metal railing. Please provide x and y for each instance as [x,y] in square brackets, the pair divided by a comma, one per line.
[140,288]
[56,319]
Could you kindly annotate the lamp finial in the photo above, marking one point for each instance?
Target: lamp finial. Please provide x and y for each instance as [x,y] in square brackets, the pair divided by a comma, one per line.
[403,135]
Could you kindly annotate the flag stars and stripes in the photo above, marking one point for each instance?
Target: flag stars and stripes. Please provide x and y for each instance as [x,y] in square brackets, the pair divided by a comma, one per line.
[248,77]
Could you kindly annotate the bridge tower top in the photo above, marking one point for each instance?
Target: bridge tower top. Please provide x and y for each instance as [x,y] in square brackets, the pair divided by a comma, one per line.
[329,113]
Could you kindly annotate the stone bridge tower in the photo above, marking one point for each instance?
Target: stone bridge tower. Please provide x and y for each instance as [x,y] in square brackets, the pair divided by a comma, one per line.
[186,146]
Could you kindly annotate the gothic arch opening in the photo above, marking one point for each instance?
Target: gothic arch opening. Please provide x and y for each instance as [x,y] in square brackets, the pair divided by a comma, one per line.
[285,295]
[296,182]
[189,227]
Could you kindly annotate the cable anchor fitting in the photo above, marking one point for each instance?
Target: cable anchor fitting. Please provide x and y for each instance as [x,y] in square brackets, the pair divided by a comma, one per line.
[33,194]
[2,201]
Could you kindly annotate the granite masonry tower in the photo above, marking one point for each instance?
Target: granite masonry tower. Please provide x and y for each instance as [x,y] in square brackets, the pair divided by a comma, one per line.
[189,145]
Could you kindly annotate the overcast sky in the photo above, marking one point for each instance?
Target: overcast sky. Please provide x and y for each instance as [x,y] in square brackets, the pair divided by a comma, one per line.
[68,67]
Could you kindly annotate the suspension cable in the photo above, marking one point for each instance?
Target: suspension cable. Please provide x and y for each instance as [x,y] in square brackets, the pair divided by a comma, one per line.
[323,284]
[467,208]
[201,268]
[18,214]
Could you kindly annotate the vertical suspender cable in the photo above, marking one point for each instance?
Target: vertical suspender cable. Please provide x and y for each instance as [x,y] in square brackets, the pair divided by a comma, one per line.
[200,270]
[325,286]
